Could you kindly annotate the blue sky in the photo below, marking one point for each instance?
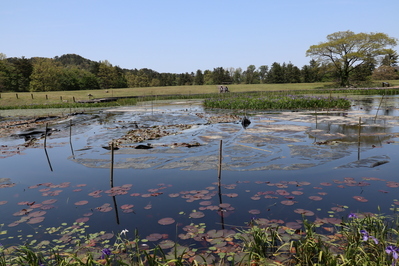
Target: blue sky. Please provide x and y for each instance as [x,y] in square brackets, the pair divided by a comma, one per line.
[178,36]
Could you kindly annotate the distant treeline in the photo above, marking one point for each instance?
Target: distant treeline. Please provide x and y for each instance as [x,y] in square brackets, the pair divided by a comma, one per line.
[73,72]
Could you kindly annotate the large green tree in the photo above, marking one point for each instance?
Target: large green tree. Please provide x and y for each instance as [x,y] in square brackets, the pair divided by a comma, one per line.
[263,70]
[5,70]
[47,75]
[110,77]
[237,76]
[292,74]
[20,77]
[347,51]
[220,76]
[251,75]
[276,73]
[390,59]
[199,78]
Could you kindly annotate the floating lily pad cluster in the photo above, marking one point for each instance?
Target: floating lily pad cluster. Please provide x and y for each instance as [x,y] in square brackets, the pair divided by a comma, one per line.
[287,193]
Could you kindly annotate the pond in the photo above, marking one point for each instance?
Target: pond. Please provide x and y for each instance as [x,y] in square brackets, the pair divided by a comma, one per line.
[286,164]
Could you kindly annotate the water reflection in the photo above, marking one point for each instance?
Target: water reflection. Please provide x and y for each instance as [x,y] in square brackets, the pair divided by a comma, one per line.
[377,105]
[273,163]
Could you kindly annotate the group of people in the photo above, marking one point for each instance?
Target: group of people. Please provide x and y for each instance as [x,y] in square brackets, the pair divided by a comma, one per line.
[223,89]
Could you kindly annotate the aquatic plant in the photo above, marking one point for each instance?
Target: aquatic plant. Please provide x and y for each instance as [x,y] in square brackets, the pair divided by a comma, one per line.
[276,101]
[364,239]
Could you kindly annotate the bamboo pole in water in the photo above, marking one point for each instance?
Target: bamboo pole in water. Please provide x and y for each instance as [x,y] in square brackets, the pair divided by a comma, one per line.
[45,150]
[220,183]
[375,118]
[112,182]
[112,165]
[359,131]
[45,136]
[220,161]
[70,138]
[358,138]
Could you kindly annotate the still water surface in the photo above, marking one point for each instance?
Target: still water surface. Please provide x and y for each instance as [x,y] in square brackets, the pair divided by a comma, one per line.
[269,170]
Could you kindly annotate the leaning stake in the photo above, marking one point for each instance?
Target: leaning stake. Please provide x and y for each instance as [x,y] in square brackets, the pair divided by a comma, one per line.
[45,150]
[45,136]
[219,183]
[220,162]
[112,165]
[358,138]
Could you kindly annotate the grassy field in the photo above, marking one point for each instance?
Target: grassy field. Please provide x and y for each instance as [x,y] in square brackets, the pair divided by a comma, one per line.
[54,98]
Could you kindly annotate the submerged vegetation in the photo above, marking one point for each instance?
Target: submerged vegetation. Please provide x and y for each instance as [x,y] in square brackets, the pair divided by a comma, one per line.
[361,239]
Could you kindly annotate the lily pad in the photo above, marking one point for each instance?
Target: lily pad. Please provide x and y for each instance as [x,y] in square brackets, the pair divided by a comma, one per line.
[166,221]
[197,215]
[288,202]
[166,244]
[49,201]
[316,198]
[13,224]
[36,220]
[254,211]
[37,213]
[304,212]
[334,220]
[82,202]
[297,193]
[82,220]
[127,206]
[224,205]
[154,237]
[360,198]
[294,225]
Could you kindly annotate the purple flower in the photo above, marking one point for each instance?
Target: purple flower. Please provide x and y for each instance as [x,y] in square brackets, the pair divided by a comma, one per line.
[366,236]
[394,250]
[105,252]
[352,215]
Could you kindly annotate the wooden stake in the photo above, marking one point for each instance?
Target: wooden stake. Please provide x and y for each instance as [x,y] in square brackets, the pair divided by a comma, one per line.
[70,138]
[45,136]
[375,118]
[112,165]
[359,131]
[45,150]
[220,183]
[220,162]
[358,138]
